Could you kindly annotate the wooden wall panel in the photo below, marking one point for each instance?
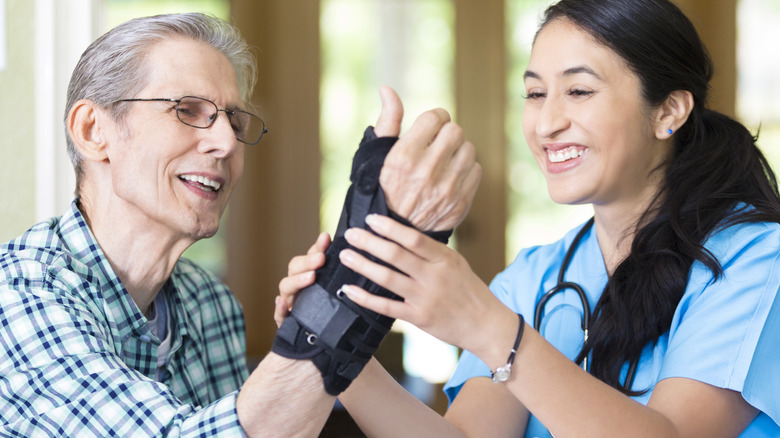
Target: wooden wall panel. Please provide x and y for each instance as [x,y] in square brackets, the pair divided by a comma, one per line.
[716,22]
[480,96]
[274,213]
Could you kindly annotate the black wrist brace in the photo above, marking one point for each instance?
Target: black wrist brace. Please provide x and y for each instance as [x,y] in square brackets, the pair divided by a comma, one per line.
[325,326]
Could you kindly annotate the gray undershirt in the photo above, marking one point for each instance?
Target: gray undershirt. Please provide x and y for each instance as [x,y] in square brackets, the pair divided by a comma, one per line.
[160,325]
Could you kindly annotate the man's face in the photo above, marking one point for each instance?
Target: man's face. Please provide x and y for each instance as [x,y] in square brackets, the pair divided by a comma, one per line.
[163,172]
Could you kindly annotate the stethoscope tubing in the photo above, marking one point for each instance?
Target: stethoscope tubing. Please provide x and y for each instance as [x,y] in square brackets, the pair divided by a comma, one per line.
[563,285]
[586,313]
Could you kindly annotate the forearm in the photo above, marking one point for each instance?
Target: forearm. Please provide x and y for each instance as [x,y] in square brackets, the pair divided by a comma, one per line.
[377,403]
[283,397]
[571,402]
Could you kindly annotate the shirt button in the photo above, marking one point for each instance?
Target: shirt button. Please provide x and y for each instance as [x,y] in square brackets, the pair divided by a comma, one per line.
[145,338]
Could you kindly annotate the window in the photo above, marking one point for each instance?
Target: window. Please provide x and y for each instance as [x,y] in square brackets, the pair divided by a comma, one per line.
[118,11]
[758,91]
[365,44]
[408,45]
[533,218]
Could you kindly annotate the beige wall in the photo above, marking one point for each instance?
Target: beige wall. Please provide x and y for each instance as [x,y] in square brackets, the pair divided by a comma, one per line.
[17,142]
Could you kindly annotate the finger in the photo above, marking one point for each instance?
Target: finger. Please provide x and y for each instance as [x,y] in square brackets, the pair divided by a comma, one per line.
[460,172]
[321,244]
[388,278]
[471,184]
[448,141]
[391,115]
[280,311]
[386,250]
[408,238]
[290,286]
[381,305]
[464,172]
[423,131]
[464,156]
[303,263]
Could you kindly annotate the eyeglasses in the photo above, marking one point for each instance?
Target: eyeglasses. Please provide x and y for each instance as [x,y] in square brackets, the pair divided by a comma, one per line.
[202,113]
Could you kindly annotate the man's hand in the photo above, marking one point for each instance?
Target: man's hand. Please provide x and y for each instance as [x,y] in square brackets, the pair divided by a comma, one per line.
[430,175]
[301,272]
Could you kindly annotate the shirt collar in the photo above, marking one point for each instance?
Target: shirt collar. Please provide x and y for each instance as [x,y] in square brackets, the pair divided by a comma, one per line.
[81,244]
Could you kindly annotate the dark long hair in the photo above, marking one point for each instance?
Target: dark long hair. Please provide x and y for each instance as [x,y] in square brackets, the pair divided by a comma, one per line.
[716,166]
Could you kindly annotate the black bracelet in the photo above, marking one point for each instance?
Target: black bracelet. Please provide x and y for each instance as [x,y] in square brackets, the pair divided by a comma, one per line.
[501,374]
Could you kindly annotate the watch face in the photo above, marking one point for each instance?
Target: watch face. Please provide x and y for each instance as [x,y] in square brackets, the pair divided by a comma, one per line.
[502,374]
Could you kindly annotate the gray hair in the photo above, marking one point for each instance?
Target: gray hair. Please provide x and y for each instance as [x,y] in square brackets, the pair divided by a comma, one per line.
[113,66]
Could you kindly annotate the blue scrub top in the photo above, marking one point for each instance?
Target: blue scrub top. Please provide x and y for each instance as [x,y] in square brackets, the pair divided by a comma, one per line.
[721,333]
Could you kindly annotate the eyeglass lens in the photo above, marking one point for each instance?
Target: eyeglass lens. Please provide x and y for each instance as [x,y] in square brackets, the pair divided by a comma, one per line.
[201,113]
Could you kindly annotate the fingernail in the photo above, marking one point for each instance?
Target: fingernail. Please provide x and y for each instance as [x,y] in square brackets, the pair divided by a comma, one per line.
[346,256]
[349,234]
[347,290]
[374,222]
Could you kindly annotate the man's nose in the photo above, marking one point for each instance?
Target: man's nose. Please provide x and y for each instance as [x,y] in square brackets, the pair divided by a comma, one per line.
[220,139]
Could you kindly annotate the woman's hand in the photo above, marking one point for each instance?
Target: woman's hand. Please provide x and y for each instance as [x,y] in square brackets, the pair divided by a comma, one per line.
[300,273]
[441,293]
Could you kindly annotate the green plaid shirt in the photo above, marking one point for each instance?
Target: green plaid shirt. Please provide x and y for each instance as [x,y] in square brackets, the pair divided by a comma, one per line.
[77,357]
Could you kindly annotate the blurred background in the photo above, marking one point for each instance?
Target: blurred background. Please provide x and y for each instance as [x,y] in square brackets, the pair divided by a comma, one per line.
[321,63]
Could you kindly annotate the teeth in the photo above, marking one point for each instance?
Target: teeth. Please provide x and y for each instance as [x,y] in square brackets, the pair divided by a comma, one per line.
[213,185]
[564,154]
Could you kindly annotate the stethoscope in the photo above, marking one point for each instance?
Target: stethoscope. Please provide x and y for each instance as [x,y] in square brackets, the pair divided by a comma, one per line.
[563,285]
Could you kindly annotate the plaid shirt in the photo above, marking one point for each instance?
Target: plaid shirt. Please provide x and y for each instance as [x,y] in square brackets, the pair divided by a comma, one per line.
[77,357]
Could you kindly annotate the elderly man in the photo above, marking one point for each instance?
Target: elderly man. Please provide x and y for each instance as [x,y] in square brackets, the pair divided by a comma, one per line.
[105,330]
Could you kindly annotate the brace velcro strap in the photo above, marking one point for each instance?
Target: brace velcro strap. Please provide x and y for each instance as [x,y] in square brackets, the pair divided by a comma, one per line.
[323,314]
[336,334]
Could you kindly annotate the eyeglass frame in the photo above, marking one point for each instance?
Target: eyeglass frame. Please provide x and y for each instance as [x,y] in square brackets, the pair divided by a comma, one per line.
[227,112]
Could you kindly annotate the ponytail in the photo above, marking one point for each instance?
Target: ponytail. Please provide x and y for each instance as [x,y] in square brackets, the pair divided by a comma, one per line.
[716,176]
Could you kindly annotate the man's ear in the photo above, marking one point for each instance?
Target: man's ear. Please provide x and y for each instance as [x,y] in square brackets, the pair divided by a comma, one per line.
[673,113]
[87,131]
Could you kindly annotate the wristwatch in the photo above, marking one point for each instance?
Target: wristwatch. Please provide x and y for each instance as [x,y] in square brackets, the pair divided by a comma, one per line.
[502,374]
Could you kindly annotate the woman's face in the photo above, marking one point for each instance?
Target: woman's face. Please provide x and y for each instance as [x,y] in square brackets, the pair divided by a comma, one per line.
[586,123]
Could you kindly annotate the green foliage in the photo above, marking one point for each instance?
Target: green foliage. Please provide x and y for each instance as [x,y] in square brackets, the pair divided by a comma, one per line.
[119,11]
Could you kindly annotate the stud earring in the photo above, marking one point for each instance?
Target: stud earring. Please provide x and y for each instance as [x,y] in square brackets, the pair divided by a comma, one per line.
[669,131]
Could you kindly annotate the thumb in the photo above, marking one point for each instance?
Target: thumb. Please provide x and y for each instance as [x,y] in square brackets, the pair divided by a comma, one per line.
[389,122]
